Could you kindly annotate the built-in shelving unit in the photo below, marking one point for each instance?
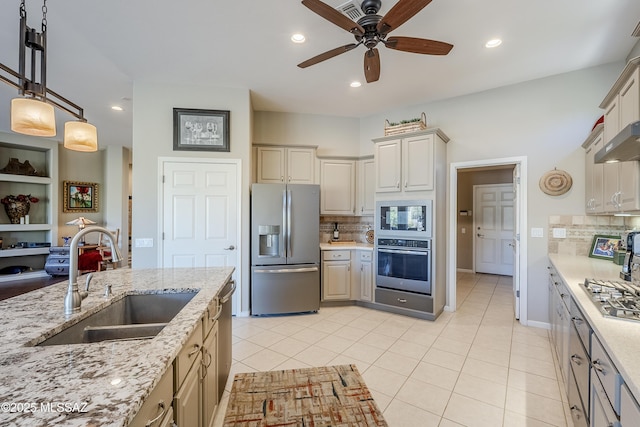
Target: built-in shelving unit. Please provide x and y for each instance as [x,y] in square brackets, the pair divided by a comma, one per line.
[42,154]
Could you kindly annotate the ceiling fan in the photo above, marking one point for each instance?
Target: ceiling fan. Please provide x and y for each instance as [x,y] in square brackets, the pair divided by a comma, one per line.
[372,29]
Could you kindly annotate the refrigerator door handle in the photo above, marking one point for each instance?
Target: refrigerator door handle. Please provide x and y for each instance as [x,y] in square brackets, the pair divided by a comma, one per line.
[285,236]
[289,223]
[289,270]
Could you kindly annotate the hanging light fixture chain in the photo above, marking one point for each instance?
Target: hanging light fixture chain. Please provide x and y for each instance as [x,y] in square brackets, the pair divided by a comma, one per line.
[23,10]
[44,16]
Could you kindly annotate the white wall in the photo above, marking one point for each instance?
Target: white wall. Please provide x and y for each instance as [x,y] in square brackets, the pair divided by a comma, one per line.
[545,120]
[153,138]
[334,136]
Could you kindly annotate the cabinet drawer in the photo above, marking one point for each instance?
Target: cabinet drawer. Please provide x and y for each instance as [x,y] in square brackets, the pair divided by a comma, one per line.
[607,373]
[366,256]
[578,415]
[53,260]
[581,325]
[188,355]
[579,361]
[210,317]
[158,404]
[404,300]
[336,255]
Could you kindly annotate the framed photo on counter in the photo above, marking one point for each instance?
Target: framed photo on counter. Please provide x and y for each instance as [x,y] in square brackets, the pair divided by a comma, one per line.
[603,247]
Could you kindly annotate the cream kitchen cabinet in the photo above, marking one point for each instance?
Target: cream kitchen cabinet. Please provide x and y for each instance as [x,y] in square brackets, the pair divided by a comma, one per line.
[407,163]
[622,103]
[337,187]
[594,172]
[336,275]
[366,275]
[366,186]
[291,165]
[621,186]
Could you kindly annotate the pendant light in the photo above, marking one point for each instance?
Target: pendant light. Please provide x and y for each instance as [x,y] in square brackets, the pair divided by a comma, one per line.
[33,113]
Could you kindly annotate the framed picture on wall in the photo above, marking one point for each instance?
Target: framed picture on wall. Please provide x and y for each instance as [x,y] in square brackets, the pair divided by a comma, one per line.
[603,247]
[80,196]
[200,130]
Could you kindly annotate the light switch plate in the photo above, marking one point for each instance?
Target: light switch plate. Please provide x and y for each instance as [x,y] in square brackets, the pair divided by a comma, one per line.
[537,232]
[559,233]
[144,243]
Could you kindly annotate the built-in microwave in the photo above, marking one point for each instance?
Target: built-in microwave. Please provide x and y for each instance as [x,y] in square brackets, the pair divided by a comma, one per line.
[404,218]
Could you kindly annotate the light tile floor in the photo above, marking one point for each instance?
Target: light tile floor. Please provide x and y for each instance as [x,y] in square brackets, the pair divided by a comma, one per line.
[475,367]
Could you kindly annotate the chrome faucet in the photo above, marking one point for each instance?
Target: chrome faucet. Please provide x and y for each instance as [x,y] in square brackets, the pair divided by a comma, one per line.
[73,299]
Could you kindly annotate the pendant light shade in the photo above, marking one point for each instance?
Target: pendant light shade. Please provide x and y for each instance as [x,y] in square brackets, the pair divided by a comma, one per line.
[80,136]
[30,116]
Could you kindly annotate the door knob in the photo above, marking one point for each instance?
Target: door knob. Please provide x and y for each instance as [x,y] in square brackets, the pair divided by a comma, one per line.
[230,248]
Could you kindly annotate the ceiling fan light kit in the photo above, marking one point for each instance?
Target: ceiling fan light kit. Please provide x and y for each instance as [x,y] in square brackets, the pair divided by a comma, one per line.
[372,29]
[33,113]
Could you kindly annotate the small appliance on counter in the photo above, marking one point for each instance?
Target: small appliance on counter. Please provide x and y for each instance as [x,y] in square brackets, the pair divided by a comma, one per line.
[632,247]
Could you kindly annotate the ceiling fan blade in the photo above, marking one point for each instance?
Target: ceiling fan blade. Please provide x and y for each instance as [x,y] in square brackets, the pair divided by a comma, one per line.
[372,65]
[327,55]
[332,15]
[400,13]
[416,45]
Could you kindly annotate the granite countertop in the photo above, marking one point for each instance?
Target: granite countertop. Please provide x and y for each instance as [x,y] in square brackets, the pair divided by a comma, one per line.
[621,338]
[105,383]
[346,246]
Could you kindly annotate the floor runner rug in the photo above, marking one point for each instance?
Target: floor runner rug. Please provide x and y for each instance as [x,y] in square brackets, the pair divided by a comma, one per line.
[312,397]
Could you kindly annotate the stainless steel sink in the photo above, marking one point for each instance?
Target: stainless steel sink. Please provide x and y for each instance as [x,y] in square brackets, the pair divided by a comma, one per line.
[132,317]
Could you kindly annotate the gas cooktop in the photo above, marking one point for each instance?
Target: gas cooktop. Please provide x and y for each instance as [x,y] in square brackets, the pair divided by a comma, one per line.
[615,299]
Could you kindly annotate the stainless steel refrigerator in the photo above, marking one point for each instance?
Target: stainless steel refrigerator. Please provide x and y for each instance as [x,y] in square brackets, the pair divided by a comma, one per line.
[285,253]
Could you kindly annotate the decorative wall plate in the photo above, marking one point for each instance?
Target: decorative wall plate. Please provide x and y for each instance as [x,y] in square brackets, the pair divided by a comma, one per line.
[369,236]
[556,182]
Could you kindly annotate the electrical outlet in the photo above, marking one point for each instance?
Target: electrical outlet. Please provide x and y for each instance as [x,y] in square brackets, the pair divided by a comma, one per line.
[144,243]
[559,233]
[537,232]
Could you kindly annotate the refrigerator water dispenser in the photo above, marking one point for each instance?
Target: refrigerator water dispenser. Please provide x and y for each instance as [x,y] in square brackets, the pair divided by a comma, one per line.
[269,240]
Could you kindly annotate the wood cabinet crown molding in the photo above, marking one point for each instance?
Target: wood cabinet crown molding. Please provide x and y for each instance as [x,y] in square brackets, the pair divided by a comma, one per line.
[595,133]
[617,86]
[436,131]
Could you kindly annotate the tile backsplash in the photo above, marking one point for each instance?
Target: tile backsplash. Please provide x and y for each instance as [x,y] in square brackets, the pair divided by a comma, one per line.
[580,230]
[350,227]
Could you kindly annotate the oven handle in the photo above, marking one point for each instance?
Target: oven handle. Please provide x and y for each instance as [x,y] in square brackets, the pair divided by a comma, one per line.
[396,251]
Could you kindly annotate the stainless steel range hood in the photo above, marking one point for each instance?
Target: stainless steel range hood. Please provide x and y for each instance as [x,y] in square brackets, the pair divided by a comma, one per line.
[623,147]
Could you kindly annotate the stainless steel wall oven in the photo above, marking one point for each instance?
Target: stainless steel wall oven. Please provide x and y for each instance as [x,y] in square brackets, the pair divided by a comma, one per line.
[404,265]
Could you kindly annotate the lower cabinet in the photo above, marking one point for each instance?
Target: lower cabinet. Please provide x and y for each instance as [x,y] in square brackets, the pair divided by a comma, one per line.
[366,276]
[347,275]
[189,392]
[188,399]
[157,411]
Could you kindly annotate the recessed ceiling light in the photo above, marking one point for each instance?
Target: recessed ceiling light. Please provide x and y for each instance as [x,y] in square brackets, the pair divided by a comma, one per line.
[493,43]
[116,108]
[298,38]
[355,84]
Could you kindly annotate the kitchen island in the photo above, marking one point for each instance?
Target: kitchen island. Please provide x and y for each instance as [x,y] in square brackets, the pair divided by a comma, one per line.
[619,338]
[93,384]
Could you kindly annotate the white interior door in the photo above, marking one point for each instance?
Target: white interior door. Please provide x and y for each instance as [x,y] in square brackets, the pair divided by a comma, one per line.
[494,228]
[200,215]
[516,240]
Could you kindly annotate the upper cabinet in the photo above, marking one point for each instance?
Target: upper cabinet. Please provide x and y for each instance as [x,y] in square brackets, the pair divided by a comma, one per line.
[594,172]
[622,103]
[288,165]
[366,186]
[337,187]
[407,163]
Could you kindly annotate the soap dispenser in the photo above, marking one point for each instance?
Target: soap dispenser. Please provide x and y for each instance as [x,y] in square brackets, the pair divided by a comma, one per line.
[336,232]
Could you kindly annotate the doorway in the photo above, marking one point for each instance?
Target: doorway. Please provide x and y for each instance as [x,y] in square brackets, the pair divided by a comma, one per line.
[461,217]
